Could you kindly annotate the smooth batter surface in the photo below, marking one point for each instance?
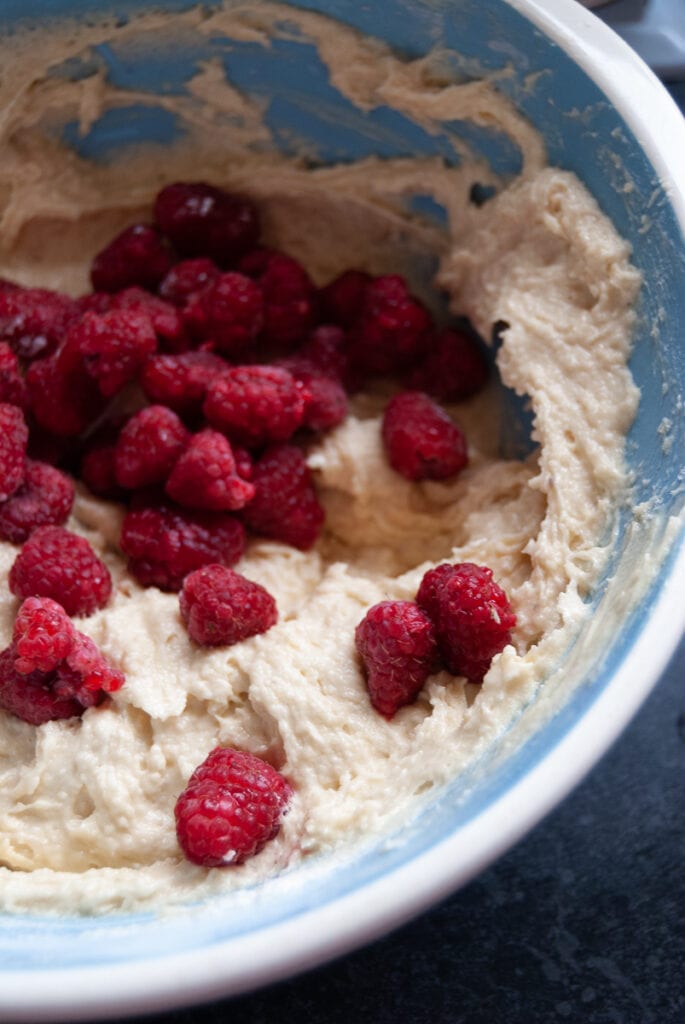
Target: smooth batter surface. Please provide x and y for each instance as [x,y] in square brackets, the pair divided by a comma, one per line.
[86,806]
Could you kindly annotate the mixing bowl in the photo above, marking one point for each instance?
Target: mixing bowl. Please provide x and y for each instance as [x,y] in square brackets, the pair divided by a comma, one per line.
[603,115]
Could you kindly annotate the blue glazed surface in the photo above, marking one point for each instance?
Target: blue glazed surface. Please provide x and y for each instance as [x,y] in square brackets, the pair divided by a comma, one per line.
[492,36]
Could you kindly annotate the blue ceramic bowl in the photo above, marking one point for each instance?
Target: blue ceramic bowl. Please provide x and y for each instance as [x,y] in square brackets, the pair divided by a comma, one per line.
[81,967]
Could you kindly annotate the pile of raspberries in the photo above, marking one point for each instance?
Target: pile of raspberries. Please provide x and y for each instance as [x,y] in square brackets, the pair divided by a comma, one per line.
[231,359]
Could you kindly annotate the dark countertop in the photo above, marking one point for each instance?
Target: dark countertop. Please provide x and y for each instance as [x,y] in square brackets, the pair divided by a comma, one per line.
[583,921]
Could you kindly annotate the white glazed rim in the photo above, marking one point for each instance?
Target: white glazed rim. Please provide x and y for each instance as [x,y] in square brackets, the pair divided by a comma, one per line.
[246,962]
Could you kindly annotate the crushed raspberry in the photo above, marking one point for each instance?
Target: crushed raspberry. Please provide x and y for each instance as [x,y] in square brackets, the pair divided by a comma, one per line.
[285,506]
[229,310]
[112,347]
[166,320]
[181,381]
[186,279]
[327,403]
[397,645]
[221,607]
[205,476]
[148,447]
[14,436]
[231,807]
[35,320]
[44,499]
[255,405]
[453,367]
[472,616]
[137,256]
[390,331]
[290,300]
[164,543]
[31,697]
[43,635]
[63,402]
[421,441]
[202,220]
[12,385]
[85,674]
[60,565]
[342,300]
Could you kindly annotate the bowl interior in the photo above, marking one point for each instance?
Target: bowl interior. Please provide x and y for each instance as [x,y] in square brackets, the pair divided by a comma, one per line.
[304,112]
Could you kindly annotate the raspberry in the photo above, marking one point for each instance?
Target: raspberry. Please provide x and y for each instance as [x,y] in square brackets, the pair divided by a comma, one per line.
[181,381]
[289,296]
[421,441]
[43,635]
[390,331]
[397,645]
[44,499]
[34,320]
[285,506]
[14,436]
[221,607]
[453,368]
[137,256]
[60,565]
[472,616]
[95,302]
[112,347]
[98,472]
[148,446]
[243,462]
[202,220]
[342,299]
[12,384]
[327,405]
[187,278]
[164,544]
[206,476]
[85,674]
[325,349]
[166,320]
[230,311]
[31,697]
[254,405]
[63,402]
[231,807]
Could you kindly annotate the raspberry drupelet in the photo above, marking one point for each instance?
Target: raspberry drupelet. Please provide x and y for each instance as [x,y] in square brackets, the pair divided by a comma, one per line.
[57,564]
[285,506]
[221,607]
[472,615]
[203,220]
[206,476]
[256,405]
[14,437]
[230,809]
[137,256]
[420,439]
[44,499]
[397,645]
[148,447]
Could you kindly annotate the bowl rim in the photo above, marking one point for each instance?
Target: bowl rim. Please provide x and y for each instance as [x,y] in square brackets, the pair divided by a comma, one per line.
[238,965]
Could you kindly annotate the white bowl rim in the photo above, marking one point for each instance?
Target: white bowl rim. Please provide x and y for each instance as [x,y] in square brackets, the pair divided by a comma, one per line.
[288,947]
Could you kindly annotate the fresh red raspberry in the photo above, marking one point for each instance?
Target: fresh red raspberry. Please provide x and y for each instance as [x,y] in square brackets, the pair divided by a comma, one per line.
[164,544]
[327,403]
[453,367]
[166,320]
[390,331]
[342,300]
[186,279]
[397,645]
[34,320]
[229,310]
[98,472]
[472,616]
[202,220]
[421,441]
[285,506]
[290,300]
[231,807]
[148,447]
[63,402]
[43,636]
[221,607]
[112,347]
[326,349]
[205,476]
[14,437]
[31,697]
[95,302]
[60,565]
[12,385]
[181,381]
[255,405]
[44,499]
[137,256]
